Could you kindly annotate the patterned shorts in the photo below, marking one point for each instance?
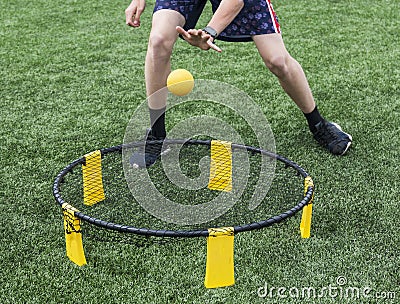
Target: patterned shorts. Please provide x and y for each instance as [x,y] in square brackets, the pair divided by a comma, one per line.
[257,17]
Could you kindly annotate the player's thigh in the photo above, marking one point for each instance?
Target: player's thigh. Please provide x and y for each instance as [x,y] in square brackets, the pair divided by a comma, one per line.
[270,47]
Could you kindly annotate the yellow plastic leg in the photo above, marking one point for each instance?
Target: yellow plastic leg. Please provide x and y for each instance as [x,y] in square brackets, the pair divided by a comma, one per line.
[93,191]
[305,225]
[220,265]
[73,236]
[221,166]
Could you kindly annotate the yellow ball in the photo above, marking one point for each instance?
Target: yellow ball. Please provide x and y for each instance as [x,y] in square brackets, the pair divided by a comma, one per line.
[180,82]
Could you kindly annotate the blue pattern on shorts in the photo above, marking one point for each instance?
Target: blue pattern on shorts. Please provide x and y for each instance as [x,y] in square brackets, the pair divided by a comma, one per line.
[254,19]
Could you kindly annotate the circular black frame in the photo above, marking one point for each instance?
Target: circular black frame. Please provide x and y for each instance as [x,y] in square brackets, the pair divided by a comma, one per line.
[307,198]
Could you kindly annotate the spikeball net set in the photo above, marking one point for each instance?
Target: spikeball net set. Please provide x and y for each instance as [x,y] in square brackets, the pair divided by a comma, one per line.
[200,187]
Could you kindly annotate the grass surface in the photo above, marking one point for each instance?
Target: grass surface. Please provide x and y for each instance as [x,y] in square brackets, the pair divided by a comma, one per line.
[71,77]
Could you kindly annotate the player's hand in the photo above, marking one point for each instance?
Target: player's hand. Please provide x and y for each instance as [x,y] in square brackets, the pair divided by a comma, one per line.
[133,12]
[198,38]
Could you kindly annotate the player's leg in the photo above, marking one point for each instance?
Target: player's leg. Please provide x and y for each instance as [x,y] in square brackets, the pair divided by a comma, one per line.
[293,80]
[286,68]
[166,17]
[162,38]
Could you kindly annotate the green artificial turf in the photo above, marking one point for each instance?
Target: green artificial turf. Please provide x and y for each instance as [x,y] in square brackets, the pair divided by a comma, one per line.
[72,74]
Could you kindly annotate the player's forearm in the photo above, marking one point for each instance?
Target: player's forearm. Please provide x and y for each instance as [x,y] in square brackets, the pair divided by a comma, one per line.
[226,12]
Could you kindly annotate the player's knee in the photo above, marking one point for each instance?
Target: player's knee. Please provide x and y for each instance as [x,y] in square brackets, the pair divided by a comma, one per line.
[160,45]
[278,65]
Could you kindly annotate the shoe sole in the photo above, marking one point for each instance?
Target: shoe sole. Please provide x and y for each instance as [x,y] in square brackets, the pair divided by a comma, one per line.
[136,166]
[350,137]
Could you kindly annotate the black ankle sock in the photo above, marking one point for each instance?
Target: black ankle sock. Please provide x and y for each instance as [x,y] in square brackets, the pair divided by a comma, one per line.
[313,118]
[157,120]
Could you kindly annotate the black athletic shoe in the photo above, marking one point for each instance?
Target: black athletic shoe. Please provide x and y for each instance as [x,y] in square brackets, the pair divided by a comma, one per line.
[144,158]
[331,136]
